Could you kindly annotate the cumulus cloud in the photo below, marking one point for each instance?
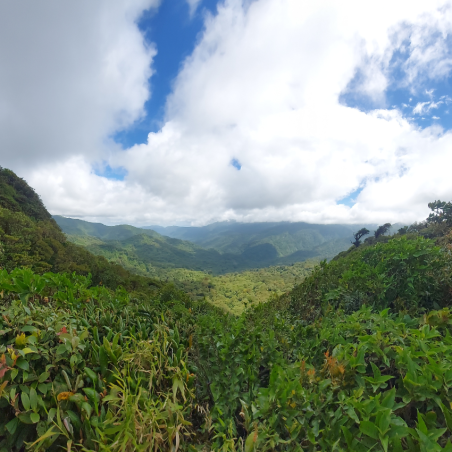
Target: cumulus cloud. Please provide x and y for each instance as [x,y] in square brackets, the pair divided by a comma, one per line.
[416,48]
[263,87]
[72,74]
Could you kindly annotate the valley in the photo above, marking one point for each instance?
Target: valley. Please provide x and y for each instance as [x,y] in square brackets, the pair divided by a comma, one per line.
[229,264]
[218,248]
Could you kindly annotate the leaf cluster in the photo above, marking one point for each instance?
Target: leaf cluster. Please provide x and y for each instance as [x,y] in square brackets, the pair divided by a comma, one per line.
[88,368]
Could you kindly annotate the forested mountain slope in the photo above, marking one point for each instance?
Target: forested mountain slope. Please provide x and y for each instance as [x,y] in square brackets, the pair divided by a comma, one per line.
[143,251]
[286,238]
[29,237]
[219,248]
[16,195]
[84,228]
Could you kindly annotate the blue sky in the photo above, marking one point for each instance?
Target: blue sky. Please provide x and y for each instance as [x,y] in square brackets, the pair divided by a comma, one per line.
[428,103]
[424,100]
[432,97]
[174,32]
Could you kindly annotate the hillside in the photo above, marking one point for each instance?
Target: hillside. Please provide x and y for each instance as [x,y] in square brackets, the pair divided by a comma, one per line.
[235,292]
[16,195]
[82,228]
[29,237]
[219,248]
[143,251]
[224,280]
[285,238]
[355,358]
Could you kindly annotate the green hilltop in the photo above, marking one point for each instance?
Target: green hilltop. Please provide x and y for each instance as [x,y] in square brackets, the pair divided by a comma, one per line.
[84,228]
[16,195]
[283,238]
[29,237]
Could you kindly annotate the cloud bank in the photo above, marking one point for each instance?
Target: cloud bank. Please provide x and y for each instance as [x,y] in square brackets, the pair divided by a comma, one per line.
[255,128]
[71,74]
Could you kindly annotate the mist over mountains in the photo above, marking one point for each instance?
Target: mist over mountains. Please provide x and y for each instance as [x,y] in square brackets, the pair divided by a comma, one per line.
[218,248]
[286,237]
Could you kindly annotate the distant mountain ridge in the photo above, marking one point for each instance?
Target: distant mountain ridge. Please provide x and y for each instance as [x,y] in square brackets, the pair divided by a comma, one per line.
[218,247]
[101,231]
[286,237]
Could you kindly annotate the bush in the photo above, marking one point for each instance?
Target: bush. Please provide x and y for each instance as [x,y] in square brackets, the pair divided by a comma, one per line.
[88,368]
[404,273]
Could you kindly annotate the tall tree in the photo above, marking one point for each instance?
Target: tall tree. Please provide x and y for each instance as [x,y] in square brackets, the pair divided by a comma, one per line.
[403,230]
[359,235]
[382,230]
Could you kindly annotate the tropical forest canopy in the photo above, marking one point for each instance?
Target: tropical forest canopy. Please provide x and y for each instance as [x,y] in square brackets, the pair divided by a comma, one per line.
[230,264]
[356,357]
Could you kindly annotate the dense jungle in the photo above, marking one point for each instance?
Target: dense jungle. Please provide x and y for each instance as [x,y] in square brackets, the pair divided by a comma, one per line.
[354,354]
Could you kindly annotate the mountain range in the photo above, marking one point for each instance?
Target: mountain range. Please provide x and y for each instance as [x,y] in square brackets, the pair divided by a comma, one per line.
[218,248]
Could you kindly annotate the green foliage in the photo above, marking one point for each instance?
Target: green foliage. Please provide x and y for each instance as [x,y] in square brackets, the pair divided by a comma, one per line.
[146,252]
[30,238]
[42,247]
[82,229]
[235,291]
[16,195]
[359,235]
[382,230]
[365,381]
[87,367]
[357,357]
[442,212]
[163,257]
[402,274]
[285,238]
[403,230]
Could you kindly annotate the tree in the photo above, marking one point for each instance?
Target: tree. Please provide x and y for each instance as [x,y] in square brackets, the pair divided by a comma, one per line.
[382,230]
[441,212]
[403,231]
[359,235]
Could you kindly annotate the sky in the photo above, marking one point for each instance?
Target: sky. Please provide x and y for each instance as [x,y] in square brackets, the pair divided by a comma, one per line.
[189,112]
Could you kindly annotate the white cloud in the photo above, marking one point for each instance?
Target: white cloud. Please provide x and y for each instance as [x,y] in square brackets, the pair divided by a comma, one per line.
[72,73]
[263,87]
[417,48]
[193,5]
[425,107]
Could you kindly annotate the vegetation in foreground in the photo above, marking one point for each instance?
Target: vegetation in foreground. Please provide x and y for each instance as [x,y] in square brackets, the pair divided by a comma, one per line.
[356,358]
